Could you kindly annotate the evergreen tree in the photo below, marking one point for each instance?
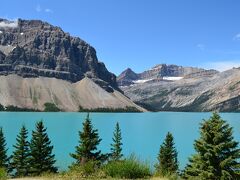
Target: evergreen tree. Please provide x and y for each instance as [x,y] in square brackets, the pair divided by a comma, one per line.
[21,154]
[2,107]
[116,149]
[167,157]
[217,154]
[4,160]
[42,160]
[88,141]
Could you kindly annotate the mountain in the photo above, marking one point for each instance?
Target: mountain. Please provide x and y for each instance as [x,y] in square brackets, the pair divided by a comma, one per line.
[159,72]
[203,90]
[41,63]
[32,48]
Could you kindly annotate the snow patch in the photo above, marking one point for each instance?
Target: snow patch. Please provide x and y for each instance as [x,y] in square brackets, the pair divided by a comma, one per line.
[8,24]
[1,32]
[172,78]
[140,81]
[22,34]
[7,49]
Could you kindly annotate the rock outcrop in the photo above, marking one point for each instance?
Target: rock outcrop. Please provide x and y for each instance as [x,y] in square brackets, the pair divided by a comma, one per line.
[32,48]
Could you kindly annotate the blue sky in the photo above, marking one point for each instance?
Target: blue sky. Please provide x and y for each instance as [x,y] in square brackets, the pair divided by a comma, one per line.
[141,33]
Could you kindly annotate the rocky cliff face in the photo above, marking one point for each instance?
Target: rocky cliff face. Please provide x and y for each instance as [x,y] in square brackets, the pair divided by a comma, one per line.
[162,70]
[32,48]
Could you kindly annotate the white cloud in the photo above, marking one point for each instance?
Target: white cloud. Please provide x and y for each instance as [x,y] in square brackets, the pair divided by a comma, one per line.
[9,24]
[201,47]
[223,65]
[48,10]
[38,8]
[237,37]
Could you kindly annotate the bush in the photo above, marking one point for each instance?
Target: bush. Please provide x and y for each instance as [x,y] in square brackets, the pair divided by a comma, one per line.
[3,174]
[88,170]
[50,107]
[130,168]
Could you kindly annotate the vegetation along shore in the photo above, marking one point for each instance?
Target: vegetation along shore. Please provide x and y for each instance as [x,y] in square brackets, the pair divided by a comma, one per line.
[217,156]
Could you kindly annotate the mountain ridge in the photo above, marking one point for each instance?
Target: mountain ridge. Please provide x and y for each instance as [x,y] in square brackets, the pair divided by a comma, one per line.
[158,72]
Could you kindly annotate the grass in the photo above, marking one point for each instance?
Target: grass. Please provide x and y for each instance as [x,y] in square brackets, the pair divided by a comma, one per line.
[123,173]
[91,170]
[174,176]
[3,174]
[70,178]
[130,168]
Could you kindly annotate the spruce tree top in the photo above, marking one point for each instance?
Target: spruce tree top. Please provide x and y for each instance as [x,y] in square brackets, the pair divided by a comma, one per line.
[21,154]
[42,160]
[116,149]
[88,142]
[3,151]
[167,157]
[217,154]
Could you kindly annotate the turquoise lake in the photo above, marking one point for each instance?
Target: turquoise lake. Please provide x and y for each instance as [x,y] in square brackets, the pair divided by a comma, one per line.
[142,133]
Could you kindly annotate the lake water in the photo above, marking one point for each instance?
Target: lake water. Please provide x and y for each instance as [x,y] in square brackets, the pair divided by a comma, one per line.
[142,133]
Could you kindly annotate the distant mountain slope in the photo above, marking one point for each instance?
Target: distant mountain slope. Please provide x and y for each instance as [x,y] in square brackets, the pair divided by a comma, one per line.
[35,92]
[159,72]
[195,93]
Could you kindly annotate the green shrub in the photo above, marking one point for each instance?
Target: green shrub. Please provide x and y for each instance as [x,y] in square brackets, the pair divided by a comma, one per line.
[90,169]
[50,107]
[130,168]
[3,174]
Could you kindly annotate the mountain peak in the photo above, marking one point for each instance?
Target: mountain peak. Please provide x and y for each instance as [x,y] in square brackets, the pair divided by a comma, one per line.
[128,70]
[126,77]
